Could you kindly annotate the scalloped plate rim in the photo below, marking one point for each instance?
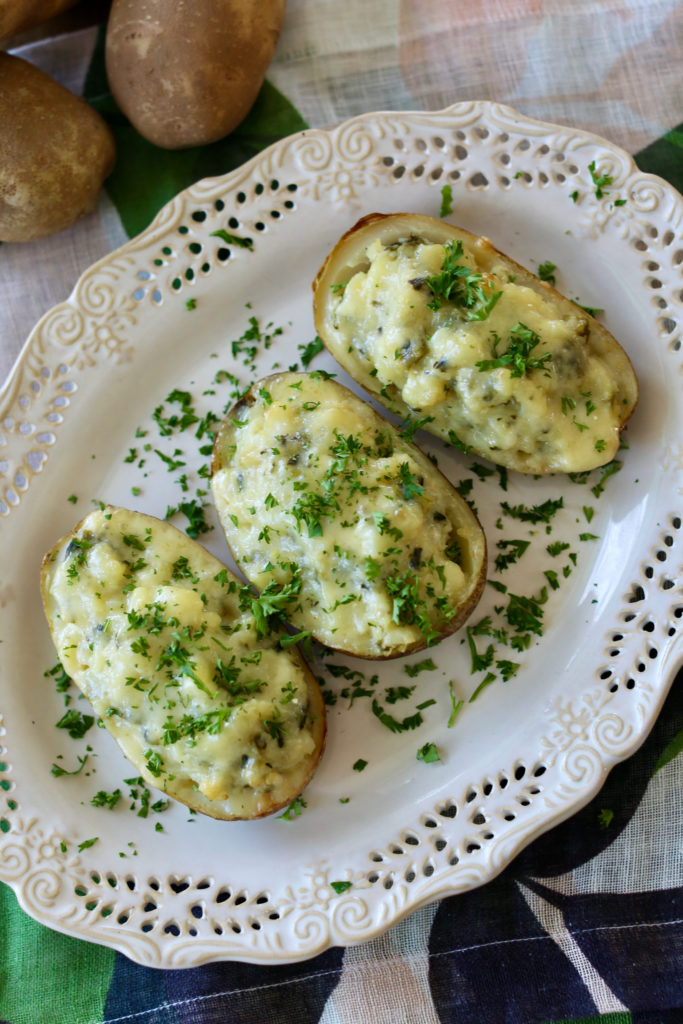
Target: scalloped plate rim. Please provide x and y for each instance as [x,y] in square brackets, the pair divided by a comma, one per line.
[477,109]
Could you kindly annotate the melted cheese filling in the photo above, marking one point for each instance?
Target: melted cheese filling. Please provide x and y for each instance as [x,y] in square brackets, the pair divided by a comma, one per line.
[153,634]
[321,497]
[563,413]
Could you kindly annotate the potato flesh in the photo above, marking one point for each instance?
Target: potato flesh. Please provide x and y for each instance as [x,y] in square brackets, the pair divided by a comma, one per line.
[321,492]
[150,628]
[563,412]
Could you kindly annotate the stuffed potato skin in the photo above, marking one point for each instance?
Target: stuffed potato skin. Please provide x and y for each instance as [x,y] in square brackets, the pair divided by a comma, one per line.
[328,509]
[442,326]
[162,640]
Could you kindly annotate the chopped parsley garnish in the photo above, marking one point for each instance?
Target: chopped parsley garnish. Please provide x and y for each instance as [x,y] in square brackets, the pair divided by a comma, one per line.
[273,600]
[460,285]
[609,470]
[458,443]
[517,357]
[176,421]
[601,181]
[446,207]
[57,770]
[396,693]
[230,239]
[288,640]
[195,515]
[383,526]
[410,485]
[310,350]
[76,723]
[275,727]
[541,513]
[393,724]
[58,673]
[409,427]
[104,799]
[77,551]
[293,810]
[310,508]
[605,817]
[479,662]
[525,614]
[409,608]
[546,272]
[427,665]
[340,887]
[154,761]
[552,578]
[511,552]
[507,669]
[359,765]
[372,568]
[489,678]
[428,753]
[456,704]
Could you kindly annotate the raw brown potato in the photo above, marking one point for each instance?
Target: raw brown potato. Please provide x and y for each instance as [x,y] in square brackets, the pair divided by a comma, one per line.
[445,328]
[165,644]
[55,152]
[19,15]
[185,73]
[341,523]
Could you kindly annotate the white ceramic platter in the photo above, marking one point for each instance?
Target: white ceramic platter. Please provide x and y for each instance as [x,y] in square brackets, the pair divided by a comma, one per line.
[524,755]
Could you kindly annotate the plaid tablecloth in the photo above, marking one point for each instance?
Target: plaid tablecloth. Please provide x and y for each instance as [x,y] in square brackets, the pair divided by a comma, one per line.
[587,924]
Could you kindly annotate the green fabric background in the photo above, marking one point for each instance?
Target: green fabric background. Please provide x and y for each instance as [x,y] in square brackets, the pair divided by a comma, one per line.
[54,979]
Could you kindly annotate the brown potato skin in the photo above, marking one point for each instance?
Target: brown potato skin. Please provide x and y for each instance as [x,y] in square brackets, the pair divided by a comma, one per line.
[186,74]
[223,440]
[55,152]
[19,15]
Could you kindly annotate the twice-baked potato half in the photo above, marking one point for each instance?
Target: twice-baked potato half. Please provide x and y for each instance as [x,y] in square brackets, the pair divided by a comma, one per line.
[347,527]
[442,326]
[163,641]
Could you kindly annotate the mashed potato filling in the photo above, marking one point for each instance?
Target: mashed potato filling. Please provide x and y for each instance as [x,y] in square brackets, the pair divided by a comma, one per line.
[163,642]
[496,365]
[317,494]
